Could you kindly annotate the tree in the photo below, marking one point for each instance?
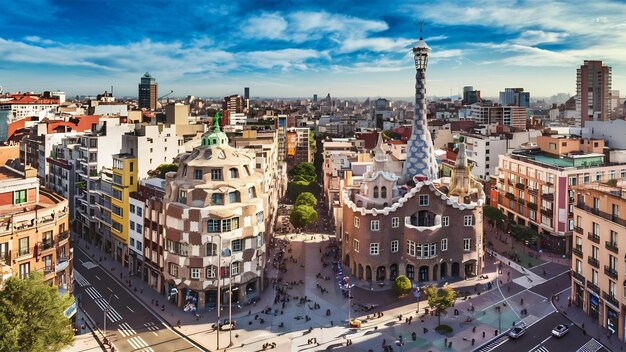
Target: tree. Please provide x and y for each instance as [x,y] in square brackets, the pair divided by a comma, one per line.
[302,216]
[440,299]
[306,170]
[31,316]
[295,188]
[493,214]
[306,198]
[401,286]
[163,169]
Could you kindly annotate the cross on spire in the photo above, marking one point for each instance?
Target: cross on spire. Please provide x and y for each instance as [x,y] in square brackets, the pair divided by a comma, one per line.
[421,24]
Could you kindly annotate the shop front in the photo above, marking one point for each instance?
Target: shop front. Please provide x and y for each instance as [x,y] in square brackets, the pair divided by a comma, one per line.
[594,306]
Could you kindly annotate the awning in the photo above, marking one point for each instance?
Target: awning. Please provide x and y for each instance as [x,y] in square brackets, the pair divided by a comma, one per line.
[70,311]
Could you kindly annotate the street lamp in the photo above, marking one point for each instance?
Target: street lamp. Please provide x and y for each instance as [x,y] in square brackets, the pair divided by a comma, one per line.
[219,274]
[226,252]
[347,285]
[499,322]
[106,310]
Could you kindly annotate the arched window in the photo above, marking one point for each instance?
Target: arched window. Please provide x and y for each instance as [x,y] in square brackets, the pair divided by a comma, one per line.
[383,192]
[217,199]
[251,193]
[375,191]
[234,173]
[233,197]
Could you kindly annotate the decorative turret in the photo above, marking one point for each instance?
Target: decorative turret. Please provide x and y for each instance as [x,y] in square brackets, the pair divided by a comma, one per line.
[380,157]
[215,137]
[460,181]
[421,162]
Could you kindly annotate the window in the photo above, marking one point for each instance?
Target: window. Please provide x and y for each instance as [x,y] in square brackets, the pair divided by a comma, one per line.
[24,270]
[117,194]
[444,244]
[467,244]
[394,246]
[234,173]
[197,174]
[374,248]
[117,226]
[23,246]
[532,214]
[423,199]
[140,228]
[357,222]
[139,246]
[182,196]
[217,199]
[132,225]
[410,248]
[132,209]
[210,249]
[117,210]
[445,221]
[395,222]
[233,197]
[173,269]
[139,211]
[433,250]
[355,245]
[216,174]
[468,220]
[177,248]
[579,266]
[375,191]
[375,225]
[132,166]
[251,193]
[230,224]
[213,225]
[211,272]
[260,218]
[234,268]
[383,192]
[131,180]
[235,245]
[19,197]
[194,273]
[259,240]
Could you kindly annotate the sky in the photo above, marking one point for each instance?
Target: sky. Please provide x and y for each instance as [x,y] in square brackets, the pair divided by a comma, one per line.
[283,48]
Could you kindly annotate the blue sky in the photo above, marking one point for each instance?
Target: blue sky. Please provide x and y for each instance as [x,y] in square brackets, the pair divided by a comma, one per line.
[298,48]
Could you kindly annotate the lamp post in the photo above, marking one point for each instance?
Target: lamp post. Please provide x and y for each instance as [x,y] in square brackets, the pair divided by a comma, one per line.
[219,287]
[499,322]
[105,311]
[226,252]
[348,286]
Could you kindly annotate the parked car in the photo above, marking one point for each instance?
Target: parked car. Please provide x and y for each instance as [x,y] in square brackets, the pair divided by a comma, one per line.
[560,330]
[225,325]
[517,331]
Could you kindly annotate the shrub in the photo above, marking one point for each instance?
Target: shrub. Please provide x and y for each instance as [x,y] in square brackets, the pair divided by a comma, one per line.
[444,329]
[402,285]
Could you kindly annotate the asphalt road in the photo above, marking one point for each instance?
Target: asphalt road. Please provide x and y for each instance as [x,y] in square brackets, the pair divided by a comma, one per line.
[538,338]
[130,325]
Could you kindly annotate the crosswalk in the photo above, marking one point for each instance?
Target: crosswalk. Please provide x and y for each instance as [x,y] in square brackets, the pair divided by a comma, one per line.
[113,315]
[126,330]
[494,344]
[152,327]
[80,279]
[541,349]
[591,346]
[93,293]
[137,342]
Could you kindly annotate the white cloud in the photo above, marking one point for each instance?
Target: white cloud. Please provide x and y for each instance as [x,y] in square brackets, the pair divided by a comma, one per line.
[375,44]
[39,40]
[534,37]
[265,26]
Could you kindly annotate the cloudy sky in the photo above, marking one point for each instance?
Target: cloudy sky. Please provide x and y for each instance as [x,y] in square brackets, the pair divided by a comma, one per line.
[297,48]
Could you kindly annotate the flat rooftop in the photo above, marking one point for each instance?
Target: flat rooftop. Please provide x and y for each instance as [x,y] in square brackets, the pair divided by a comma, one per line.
[8,174]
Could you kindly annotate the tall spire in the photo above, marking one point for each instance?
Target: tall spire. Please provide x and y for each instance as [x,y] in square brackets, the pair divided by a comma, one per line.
[421,161]
[461,174]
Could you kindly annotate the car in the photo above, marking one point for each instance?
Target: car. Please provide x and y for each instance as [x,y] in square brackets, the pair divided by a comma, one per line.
[225,325]
[517,331]
[560,330]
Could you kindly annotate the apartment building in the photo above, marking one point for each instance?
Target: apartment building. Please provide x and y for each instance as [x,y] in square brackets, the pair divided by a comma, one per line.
[534,186]
[514,116]
[483,152]
[299,146]
[34,227]
[598,268]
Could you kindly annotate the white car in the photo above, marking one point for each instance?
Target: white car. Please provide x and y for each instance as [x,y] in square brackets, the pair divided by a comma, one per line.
[516,332]
[560,330]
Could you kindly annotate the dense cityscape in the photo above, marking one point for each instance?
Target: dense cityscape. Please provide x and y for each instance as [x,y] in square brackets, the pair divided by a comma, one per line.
[162,221]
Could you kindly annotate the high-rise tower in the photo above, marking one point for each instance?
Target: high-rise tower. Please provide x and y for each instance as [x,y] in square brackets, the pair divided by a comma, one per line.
[593,91]
[148,91]
[420,160]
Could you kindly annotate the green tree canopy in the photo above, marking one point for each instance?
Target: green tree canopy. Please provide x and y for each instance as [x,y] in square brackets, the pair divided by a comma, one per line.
[305,170]
[306,198]
[295,188]
[494,214]
[163,169]
[401,286]
[391,134]
[440,299]
[31,316]
[302,216]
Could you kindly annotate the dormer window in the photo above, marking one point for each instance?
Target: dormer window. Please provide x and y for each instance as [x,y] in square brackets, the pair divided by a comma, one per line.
[383,192]
[375,191]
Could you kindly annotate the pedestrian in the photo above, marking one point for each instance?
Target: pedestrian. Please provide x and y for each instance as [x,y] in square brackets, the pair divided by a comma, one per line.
[483,334]
[163,308]
[178,323]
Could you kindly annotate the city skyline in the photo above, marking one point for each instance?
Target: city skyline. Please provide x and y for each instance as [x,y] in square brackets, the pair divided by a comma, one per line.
[299,49]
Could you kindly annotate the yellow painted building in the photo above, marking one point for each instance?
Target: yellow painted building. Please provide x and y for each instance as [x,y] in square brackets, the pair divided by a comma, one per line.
[124,182]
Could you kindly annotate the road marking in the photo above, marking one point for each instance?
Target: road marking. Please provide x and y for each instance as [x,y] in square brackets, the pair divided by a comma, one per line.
[546,339]
[149,349]
[97,277]
[126,330]
[108,288]
[113,315]
[540,349]
[137,342]
[80,279]
[591,346]
[132,311]
[93,293]
[152,327]
[81,261]
[116,297]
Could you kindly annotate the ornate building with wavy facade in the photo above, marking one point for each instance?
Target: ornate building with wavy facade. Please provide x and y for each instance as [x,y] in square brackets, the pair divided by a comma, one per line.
[417,223]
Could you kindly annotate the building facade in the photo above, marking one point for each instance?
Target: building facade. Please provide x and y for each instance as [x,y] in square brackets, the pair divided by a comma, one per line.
[515,97]
[214,203]
[598,279]
[514,116]
[414,223]
[593,92]
[148,92]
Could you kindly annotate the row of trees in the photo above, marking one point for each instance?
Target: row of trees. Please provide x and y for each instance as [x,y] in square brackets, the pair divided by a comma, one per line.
[302,190]
[439,299]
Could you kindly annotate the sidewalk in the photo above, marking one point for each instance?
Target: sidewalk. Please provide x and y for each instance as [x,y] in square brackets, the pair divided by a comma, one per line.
[85,338]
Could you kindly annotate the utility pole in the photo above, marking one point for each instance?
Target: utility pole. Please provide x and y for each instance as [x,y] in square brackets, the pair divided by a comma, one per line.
[106,310]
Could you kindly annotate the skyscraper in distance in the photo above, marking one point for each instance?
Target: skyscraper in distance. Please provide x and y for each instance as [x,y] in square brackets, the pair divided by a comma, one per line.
[246,92]
[148,92]
[515,97]
[593,92]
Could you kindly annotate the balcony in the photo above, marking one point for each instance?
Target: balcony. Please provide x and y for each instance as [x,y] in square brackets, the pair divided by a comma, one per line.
[546,211]
[45,245]
[520,186]
[578,229]
[593,262]
[548,196]
[612,246]
[532,205]
[593,237]
[510,195]
[533,191]
[579,277]
[578,251]
[611,217]
[610,299]
[593,287]
[611,272]
[63,236]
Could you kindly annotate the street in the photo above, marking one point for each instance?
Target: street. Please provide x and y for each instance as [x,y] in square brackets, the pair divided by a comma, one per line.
[130,326]
[538,338]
